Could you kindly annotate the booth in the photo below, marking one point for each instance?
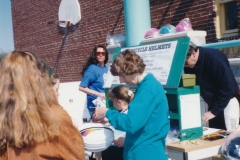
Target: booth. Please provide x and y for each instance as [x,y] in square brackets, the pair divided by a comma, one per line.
[165,59]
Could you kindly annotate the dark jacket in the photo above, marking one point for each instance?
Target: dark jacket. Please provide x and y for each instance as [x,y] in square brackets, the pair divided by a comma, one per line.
[215,78]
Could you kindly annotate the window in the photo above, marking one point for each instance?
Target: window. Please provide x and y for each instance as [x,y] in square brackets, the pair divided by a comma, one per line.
[226,18]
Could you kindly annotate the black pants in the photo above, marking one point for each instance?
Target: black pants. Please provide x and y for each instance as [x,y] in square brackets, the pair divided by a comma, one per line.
[218,121]
[113,153]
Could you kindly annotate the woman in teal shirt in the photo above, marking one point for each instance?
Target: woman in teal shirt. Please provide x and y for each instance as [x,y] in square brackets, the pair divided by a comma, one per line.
[147,122]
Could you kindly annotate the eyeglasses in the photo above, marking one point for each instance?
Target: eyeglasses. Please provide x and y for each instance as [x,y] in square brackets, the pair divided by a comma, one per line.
[100,53]
[187,57]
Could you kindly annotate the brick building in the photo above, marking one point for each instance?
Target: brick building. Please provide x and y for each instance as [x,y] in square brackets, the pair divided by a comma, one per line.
[35,27]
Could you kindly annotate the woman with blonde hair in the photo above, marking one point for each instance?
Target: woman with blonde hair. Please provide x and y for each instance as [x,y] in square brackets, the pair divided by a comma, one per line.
[32,124]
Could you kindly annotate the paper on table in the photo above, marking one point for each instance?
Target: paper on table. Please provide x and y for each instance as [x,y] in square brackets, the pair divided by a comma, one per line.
[207,131]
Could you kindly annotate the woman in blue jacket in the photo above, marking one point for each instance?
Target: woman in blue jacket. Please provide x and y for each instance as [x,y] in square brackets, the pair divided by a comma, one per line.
[147,122]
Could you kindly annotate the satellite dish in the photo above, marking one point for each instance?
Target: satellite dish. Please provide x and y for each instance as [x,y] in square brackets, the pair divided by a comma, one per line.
[69,13]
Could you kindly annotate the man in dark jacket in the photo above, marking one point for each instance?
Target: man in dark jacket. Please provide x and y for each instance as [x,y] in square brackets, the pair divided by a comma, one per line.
[218,86]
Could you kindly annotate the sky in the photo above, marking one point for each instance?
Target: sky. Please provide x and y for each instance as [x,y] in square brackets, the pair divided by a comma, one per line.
[6,29]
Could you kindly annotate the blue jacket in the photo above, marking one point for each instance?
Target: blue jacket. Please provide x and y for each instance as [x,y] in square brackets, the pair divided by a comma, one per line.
[215,78]
[147,122]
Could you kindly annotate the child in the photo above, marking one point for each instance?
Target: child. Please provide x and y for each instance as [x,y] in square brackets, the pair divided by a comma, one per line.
[55,82]
[121,96]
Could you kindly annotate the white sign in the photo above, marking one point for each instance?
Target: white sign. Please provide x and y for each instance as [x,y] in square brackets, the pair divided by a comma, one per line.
[110,79]
[190,111]
[158,58]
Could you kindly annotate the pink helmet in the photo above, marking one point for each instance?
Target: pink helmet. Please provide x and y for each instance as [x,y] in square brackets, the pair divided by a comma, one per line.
[184,25]
[152,32]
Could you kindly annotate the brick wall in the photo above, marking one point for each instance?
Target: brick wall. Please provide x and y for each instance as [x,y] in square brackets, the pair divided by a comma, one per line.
[36,28]
[201,13]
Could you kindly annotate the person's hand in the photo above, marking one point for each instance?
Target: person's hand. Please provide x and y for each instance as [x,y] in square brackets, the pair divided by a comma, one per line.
[227,141]
[230,137]
[103,121]
[102,95]
[224,145]
[207,116]
[119,142]
[99,113]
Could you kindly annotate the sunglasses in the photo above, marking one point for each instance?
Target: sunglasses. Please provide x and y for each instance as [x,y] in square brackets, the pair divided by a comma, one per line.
[100,53]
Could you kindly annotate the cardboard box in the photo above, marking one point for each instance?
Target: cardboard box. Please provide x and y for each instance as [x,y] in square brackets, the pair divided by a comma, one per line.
[188,80]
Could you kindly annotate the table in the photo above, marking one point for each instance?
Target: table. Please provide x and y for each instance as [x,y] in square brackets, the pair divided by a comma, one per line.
[189,150]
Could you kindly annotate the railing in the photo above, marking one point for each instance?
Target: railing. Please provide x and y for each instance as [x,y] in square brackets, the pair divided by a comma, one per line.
[224,44]
[232,50]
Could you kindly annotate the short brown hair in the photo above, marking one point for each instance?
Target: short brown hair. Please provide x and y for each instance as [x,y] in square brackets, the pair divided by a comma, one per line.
[127,63]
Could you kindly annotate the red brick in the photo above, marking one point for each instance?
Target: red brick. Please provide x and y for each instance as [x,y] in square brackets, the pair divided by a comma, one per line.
[36,27]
